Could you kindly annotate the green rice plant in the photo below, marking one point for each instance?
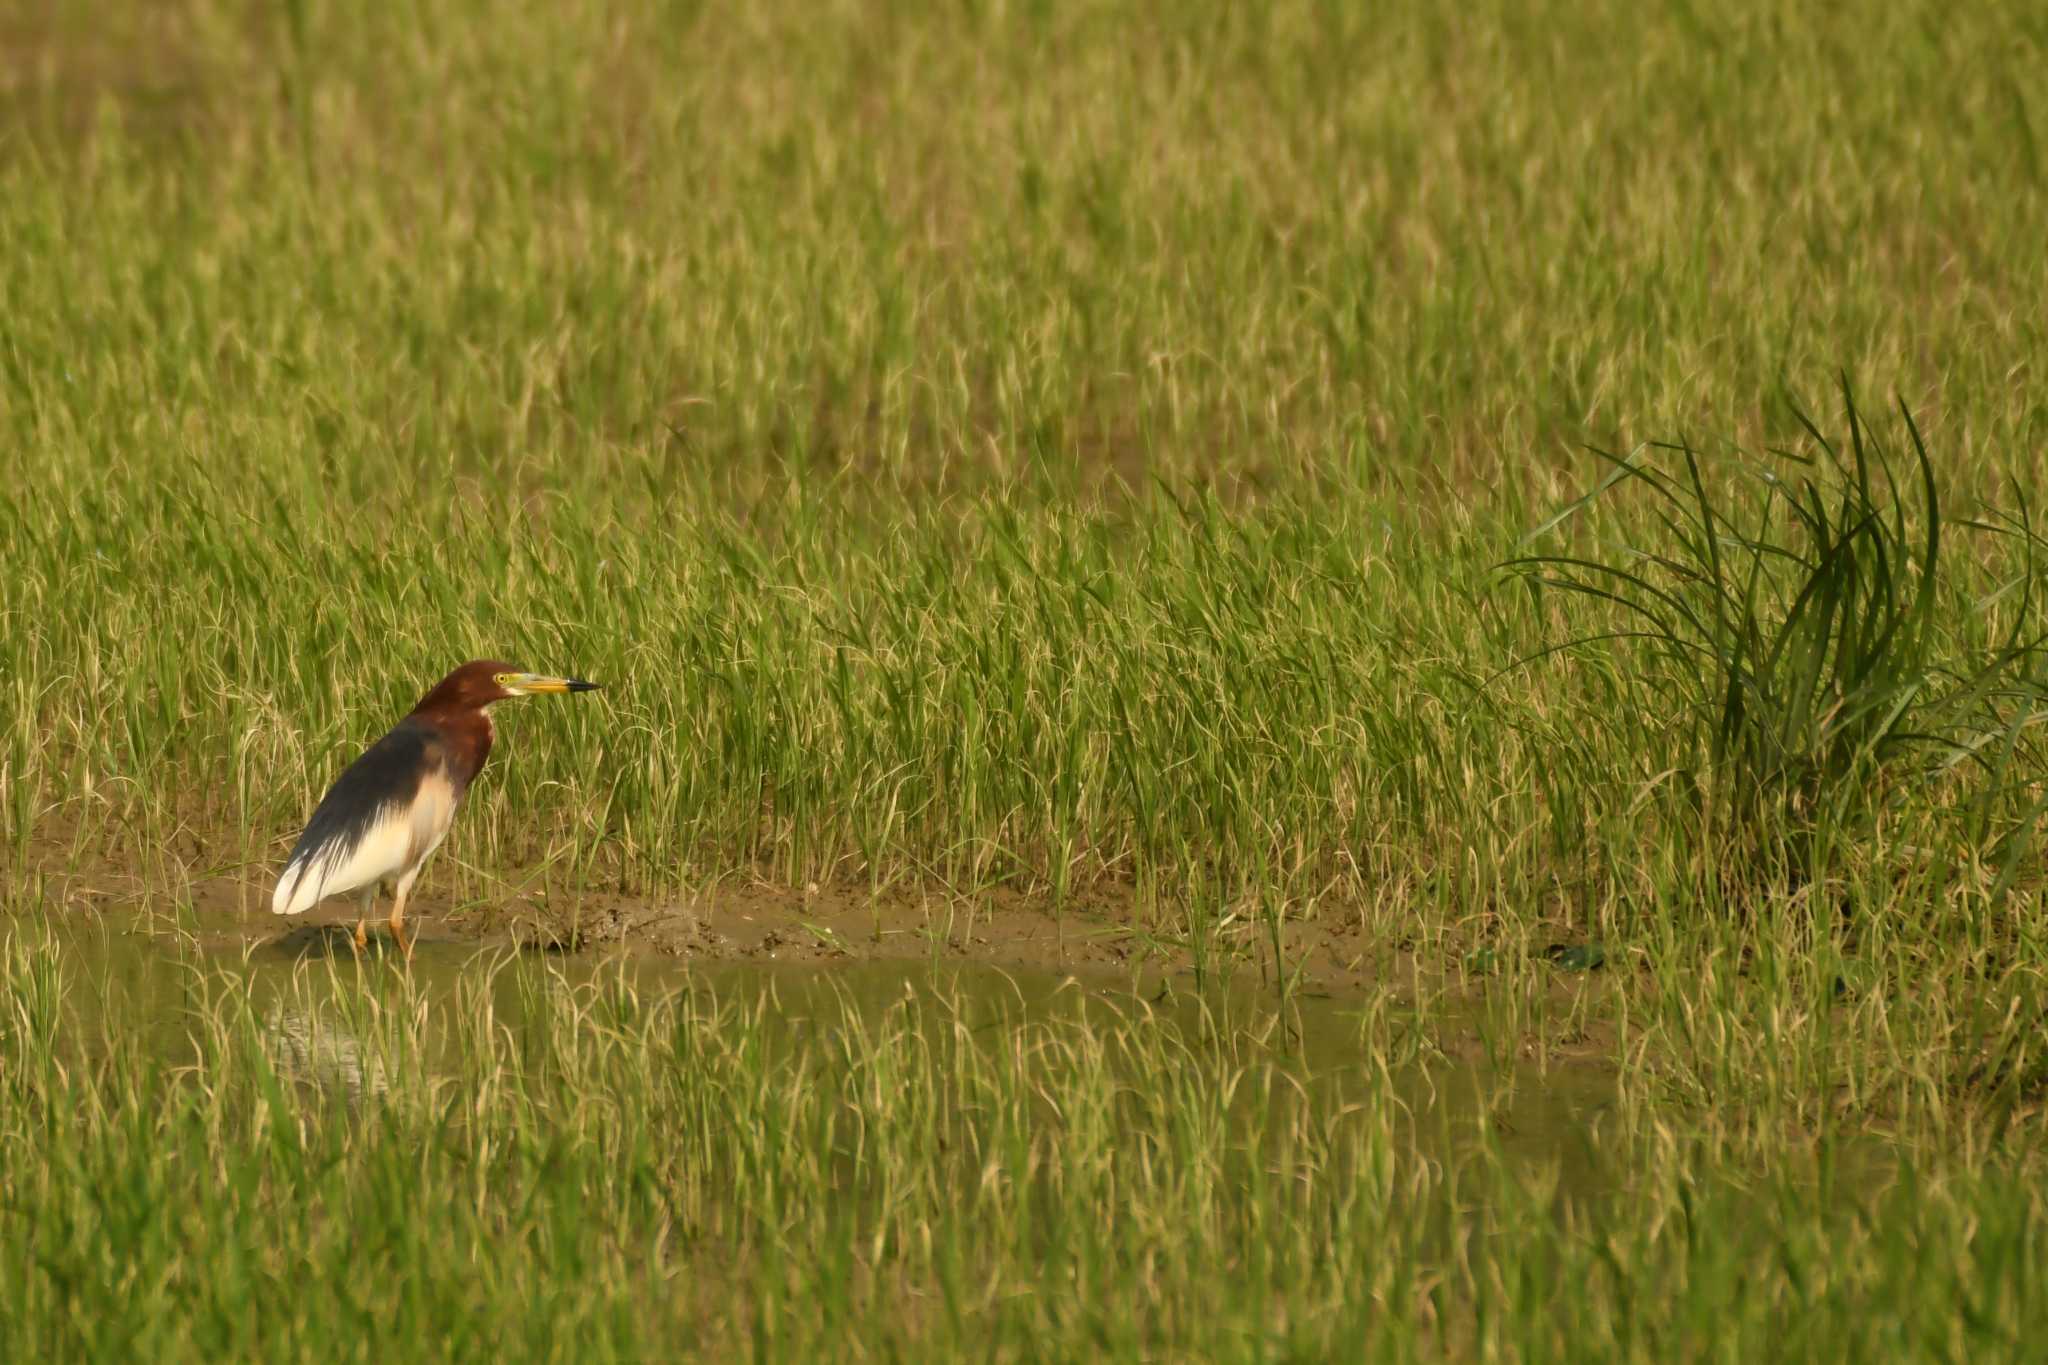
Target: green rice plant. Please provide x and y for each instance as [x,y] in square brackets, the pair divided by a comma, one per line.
[740,365]
[213,1156]
[1800,632]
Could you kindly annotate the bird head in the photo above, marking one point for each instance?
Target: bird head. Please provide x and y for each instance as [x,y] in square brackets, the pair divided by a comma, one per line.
[483,682]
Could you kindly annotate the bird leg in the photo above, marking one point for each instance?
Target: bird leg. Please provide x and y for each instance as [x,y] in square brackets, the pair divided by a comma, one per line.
[398,918]
[362,939]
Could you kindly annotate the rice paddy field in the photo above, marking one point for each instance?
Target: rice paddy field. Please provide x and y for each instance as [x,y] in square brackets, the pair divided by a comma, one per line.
[1285,682]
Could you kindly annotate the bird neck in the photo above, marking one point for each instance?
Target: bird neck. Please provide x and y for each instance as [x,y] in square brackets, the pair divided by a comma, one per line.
[467,732]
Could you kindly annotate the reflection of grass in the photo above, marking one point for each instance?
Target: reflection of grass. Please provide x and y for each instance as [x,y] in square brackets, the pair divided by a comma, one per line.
[654,1175]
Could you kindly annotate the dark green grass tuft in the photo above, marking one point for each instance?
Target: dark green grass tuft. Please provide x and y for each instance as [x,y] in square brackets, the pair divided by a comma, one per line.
[1798,631]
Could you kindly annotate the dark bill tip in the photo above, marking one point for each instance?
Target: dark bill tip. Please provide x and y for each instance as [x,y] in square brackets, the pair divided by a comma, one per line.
[578,685]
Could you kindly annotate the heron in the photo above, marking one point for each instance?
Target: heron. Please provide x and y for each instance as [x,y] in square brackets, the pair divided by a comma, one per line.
[389,810]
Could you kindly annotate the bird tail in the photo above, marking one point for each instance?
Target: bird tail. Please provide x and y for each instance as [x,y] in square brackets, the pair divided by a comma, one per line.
[296,893]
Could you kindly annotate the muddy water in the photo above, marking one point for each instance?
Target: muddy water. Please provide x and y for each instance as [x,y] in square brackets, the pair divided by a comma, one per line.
[141,980]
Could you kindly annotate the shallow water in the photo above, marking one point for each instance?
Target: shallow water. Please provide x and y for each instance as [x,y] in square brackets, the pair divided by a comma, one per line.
[140,983]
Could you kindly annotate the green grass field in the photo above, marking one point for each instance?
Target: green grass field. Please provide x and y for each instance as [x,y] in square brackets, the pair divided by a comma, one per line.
[1117,457]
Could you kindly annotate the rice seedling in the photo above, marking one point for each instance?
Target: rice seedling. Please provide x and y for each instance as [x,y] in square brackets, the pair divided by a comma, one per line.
[1034,475]
[623,1165]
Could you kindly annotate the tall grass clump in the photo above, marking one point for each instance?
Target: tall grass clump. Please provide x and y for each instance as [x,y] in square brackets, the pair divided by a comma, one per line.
[1806,628]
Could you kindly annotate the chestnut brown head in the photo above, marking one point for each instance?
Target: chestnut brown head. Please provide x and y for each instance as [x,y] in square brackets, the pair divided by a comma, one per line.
[481,682]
